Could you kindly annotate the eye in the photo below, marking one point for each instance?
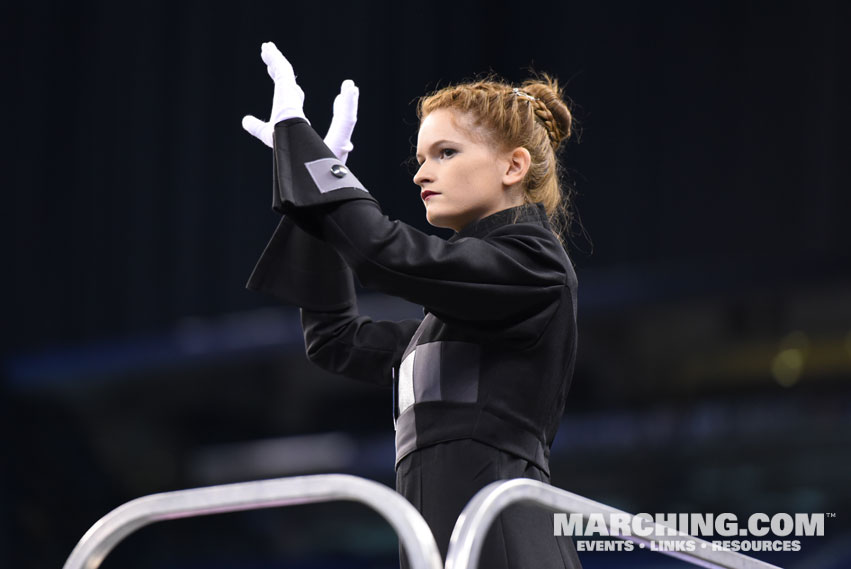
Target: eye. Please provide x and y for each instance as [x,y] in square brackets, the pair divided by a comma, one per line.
[447,152]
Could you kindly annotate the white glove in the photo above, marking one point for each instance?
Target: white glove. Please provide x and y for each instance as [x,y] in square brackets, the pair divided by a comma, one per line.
[288,101]
[339,137]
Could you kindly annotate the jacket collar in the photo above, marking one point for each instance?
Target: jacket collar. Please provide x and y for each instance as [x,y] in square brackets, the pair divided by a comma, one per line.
[526,213]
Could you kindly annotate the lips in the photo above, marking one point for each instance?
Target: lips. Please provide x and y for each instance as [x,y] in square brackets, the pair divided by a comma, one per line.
[426,193]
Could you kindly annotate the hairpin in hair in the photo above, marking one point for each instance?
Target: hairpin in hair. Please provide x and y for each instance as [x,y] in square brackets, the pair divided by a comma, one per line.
[524,94]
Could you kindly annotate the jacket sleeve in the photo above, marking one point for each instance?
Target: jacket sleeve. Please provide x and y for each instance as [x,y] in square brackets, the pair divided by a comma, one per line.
[516,270]
[297,265]
[355,346]
[298,268]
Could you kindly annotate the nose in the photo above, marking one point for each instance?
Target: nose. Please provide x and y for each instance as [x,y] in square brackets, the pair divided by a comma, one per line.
[423,175]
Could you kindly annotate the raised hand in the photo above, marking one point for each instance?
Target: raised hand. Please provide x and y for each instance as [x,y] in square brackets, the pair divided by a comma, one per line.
[288,102]
[339,137]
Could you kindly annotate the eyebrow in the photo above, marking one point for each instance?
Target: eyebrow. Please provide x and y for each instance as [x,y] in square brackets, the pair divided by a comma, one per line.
[436,143]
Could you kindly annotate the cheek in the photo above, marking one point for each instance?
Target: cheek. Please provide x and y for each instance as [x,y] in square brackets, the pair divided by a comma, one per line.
[474,176]
[485,178]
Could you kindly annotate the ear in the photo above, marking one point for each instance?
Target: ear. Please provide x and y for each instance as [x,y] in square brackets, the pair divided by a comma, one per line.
[517,164]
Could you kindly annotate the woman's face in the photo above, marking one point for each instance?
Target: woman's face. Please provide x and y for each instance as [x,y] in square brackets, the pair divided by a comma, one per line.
[462,179]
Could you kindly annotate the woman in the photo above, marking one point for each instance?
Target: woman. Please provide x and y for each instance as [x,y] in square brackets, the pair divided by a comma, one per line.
[480,382]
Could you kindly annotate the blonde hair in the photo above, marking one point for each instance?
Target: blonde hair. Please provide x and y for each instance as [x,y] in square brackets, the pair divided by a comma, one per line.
[534,116]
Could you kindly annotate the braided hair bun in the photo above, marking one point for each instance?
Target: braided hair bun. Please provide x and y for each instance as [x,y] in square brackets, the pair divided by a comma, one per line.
[550,107]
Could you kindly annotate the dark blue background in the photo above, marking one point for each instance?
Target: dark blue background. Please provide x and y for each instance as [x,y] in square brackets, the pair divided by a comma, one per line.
[712,177]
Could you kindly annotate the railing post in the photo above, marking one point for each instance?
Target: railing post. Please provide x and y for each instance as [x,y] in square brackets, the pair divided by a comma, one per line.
[472,526]
[414,533]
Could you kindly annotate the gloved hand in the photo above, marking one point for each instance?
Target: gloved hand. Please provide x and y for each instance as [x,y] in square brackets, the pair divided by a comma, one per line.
[288,101]
[339,137]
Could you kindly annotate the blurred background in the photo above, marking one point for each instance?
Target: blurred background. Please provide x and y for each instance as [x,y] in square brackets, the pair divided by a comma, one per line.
[712,182]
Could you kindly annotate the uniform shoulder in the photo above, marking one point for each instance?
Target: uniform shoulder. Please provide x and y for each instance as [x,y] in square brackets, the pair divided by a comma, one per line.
[535,244]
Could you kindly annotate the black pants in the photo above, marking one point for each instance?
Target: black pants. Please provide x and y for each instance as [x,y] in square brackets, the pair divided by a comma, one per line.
[440,479]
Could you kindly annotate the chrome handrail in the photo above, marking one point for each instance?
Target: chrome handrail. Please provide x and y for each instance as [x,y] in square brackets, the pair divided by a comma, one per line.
[472,526]
[414,533]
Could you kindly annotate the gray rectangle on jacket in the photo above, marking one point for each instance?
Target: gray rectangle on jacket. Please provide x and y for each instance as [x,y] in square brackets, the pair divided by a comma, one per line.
[440,371]
[322,172]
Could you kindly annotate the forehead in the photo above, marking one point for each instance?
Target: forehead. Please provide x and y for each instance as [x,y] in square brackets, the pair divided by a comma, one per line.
[447,124]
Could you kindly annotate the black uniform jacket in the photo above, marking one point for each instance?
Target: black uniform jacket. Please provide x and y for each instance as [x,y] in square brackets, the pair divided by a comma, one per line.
[492,358]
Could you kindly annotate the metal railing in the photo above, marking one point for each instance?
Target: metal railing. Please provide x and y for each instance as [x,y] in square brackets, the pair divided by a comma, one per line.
[472,526]
[414,533]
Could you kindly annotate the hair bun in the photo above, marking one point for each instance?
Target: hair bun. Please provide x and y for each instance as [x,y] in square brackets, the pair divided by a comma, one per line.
[551,107]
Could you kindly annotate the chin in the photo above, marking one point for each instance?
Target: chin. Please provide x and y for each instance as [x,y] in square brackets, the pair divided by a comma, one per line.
[442,222]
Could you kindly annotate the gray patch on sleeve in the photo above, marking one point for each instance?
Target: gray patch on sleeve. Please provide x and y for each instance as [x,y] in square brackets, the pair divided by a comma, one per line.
[326,181]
